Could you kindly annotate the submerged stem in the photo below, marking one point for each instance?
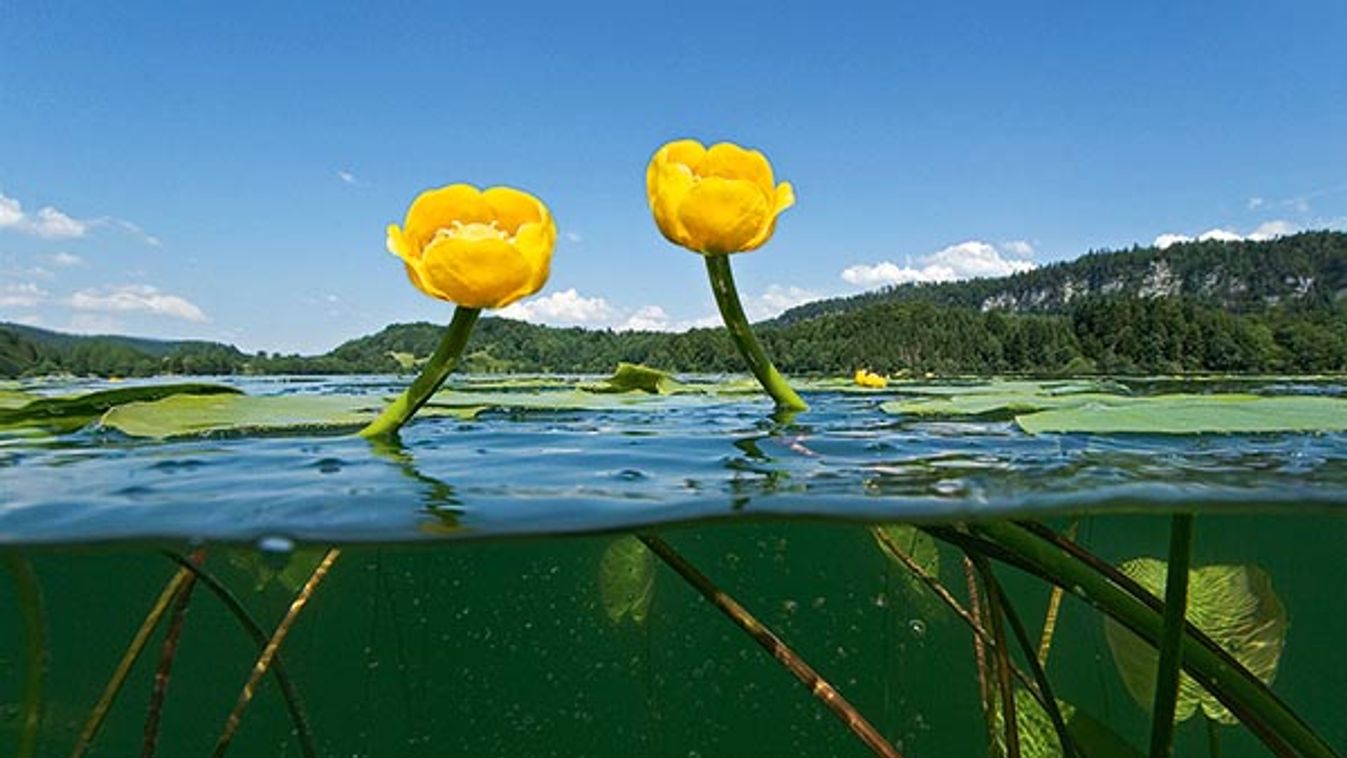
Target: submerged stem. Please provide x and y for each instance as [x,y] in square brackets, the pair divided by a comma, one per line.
[432,375]
[996,610]
[1171,636]
[271,650]
[1105,588]
[259,637]
[168,653]
[34,650]
[732,313]
[773,644]
[133,651]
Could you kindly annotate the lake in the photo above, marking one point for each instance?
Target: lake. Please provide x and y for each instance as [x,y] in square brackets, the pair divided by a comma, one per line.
[472,609]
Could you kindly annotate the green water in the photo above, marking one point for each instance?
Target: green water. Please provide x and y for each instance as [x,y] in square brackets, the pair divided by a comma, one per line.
[503,647]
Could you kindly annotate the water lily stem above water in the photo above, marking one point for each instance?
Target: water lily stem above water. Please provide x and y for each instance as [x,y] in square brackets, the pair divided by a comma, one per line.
[732,312]
[432,376]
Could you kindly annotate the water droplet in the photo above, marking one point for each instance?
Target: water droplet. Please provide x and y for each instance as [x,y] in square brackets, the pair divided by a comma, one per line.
[917,627]
[275,550]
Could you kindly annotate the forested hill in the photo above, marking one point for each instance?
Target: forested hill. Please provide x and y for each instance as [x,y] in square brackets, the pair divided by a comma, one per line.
[1302,270]
[1277,306]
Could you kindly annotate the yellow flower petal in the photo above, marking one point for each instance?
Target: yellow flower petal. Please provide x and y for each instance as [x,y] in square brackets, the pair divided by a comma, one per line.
[687,152]
[535,243]
[397,244]
[476,273]
[729,161]
[673,182]
[437,209]
[784,198]
[419,280]
[723,215]
[513,208]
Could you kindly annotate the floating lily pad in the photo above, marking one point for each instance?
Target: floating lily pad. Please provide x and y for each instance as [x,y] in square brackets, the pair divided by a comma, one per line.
[1193,414]
[71,412]
[631,377]
[990,406]
[627,580]
[1234,605]
[11,399]
[190,416]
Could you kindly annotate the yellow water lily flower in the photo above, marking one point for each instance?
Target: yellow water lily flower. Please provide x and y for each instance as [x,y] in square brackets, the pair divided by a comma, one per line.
[717,200]
[479,249]
[866,378]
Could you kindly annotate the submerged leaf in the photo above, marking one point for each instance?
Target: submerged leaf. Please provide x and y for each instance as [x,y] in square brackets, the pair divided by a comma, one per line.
[1234,605]
[187,416]
[922,549]
[289,571]
[71,412]
[1038,737]
[1194,414]
[627,579]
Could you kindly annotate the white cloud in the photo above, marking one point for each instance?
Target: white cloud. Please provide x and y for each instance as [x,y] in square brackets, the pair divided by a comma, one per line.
[1219,235]
[775,299]
[1271,230]
[50,223]
[1168,240]
[21,295]
[11,213]
[47,223]
[647,318]
[64,259]
[1255,203]
[573,237]
[567,307]
[141,298]
[1022,248]
[966,260]
[348,178]
[1264,231]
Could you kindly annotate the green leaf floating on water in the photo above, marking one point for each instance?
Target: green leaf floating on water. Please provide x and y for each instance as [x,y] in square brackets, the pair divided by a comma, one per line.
[994,406]
[635,377]
[1194,414]
[627,579]
[69,413]
[11,399]
[1234,605]
[189,416]
[1038,738]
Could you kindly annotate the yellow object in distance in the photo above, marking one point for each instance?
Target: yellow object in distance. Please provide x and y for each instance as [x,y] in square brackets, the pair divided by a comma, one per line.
[717,200]
[866,378]
[479,249]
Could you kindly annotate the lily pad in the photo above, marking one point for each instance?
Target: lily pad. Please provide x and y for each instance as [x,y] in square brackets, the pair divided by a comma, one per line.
[631,377]
[192,416]
[991,406]
[627,580]
[71,412]
[1234,605]
[1194,414]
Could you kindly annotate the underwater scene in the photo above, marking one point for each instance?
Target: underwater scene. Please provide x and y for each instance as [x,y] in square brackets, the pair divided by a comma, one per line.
[650,564]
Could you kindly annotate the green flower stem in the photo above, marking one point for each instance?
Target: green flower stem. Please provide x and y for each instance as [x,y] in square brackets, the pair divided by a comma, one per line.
[34,651]
[432,376]
[1262,711]
[1176,608]
[732,313]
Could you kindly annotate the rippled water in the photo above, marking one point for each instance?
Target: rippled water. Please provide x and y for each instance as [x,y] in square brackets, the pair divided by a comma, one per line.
[505,647]
[672,459]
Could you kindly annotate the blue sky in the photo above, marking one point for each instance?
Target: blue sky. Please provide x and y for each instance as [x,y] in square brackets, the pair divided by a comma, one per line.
[226,170]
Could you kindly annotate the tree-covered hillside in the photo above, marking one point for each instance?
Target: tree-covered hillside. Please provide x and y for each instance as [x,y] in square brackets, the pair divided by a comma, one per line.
[1276,306]
[1307,270]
